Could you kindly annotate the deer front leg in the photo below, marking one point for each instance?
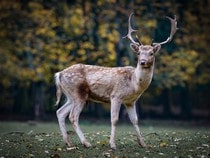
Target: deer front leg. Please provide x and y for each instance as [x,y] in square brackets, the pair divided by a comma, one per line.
[131,109]
[115,108]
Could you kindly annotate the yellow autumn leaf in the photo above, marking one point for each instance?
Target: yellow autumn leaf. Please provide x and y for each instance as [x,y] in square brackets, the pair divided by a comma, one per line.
[39,70]
[81,52]
[163,144]
[151,23]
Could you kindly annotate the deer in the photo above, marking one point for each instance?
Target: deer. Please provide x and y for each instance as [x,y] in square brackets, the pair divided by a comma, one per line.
[109,85]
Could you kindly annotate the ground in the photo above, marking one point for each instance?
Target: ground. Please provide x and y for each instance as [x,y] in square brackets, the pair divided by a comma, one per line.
[171,139]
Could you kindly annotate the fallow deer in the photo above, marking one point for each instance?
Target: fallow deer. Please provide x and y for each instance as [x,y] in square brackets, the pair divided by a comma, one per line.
[116,86]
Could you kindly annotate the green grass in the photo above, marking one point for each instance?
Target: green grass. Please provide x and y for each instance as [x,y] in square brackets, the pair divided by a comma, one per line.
[163,140]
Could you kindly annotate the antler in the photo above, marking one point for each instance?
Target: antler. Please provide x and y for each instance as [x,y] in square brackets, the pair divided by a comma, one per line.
[173,30]
[130,30]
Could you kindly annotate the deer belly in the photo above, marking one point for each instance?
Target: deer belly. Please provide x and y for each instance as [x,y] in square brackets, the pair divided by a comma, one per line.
[98,98]
[99,93]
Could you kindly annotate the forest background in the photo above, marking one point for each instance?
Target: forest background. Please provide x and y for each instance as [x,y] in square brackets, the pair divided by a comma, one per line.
[39,38]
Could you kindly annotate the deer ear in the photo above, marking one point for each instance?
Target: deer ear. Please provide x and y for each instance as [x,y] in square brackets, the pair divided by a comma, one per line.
[156,48]
[134,47]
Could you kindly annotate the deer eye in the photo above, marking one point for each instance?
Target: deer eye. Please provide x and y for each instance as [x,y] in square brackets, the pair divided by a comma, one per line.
[151,53]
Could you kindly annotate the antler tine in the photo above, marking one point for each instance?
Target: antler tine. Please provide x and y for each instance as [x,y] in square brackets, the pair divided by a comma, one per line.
[139,40]
[173,30]
[152,42]
[130,30]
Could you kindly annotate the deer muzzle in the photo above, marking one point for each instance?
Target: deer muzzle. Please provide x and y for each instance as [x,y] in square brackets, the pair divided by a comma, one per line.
[145,63]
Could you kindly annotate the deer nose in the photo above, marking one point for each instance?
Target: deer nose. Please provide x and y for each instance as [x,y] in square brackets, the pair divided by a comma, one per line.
[143,62]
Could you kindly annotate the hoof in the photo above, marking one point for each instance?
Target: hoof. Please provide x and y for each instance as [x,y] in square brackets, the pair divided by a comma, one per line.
[87,144]
[69,145]
[142,143]
[113,146]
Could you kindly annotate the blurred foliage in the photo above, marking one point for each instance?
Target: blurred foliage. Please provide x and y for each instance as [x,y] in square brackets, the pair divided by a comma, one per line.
[36,41]
[39,38]
[178,68]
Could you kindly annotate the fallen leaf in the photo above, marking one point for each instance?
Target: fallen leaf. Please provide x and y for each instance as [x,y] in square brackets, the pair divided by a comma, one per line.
[72,148]
[205,145]
[163,144]
[47,135]
[40,139]
[161,153]
[199,147]
[106,154]
[173,145]
[177,139]
[29,145]
[55,156]
[30,132]
[102,142]
[46,151]
[58,149]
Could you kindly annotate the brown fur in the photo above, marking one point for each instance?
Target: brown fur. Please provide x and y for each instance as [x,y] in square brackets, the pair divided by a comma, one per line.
[83,90]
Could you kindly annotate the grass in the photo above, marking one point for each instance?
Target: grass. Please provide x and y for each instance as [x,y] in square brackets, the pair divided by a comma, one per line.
[19,139]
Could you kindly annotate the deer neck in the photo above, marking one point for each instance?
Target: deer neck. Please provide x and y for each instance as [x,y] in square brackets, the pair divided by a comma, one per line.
[143,76]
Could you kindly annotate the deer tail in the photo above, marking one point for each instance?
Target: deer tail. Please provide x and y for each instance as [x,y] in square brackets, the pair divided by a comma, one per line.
[58,88]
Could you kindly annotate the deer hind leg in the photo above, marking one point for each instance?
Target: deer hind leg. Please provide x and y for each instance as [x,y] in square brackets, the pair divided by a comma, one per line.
[62,113]
[134,120]
[74,118]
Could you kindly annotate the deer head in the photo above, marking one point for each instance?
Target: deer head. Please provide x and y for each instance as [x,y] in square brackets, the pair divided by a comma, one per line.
[146,53]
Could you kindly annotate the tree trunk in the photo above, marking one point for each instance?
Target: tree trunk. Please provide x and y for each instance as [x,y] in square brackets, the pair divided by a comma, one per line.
[185,104]
[166,104]
[39,100]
